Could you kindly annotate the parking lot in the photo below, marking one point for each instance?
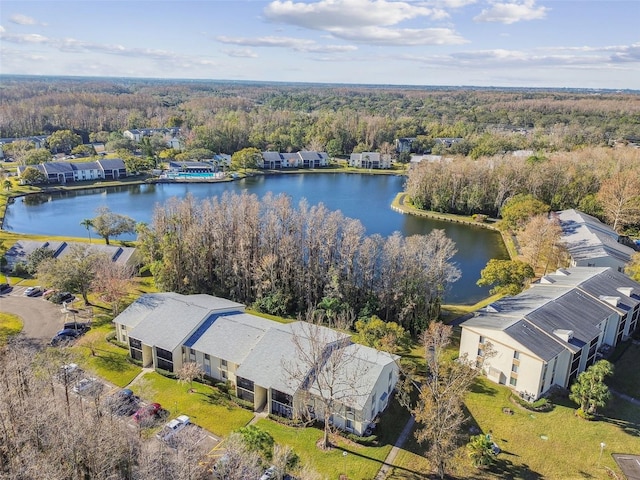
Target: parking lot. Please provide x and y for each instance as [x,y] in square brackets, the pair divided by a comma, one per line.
[42,319]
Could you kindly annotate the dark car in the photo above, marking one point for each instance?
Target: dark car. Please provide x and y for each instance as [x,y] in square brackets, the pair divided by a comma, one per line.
[79,327]
[5,287]
[64,337]
[148,413]
[61,297]
[123,402]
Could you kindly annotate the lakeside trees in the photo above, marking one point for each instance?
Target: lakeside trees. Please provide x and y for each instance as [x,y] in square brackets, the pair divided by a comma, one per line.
[582,180]
[288,259]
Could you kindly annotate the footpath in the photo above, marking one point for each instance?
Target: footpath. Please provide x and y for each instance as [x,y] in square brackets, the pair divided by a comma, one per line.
[387,466]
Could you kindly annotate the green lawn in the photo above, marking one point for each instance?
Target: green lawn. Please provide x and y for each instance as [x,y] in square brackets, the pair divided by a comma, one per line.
[206,406]
[9,325]
[549,445]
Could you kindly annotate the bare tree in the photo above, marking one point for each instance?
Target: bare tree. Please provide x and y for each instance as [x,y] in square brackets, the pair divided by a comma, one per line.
[189,372]
[540,241]
[620,198]
[325,374]
[439,410]
[113,281]
[238,462]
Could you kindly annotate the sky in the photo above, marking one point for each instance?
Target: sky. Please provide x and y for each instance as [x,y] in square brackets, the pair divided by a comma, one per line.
[489,43]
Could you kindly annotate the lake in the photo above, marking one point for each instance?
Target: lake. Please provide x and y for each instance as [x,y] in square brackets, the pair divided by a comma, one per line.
[365,197]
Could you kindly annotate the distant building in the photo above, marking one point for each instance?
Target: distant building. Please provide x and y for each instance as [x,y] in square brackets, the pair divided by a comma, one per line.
[447,142]
[171,135]
[191,166]
[38,141]
[303,159]
[370,160]
[65,172]
[590,242]
[19,251]
[404,144]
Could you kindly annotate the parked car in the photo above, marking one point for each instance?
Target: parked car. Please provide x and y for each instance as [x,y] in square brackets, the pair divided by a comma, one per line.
[88,386]
[79,327]
[64,337]
[69,373]
[173,427]
[33,291]
[5,288]
[61,297]
[123,402]
[147,412]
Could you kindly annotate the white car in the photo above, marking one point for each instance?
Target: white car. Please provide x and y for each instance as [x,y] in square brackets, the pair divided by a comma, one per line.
[173,427]
[87,386]
[32,291]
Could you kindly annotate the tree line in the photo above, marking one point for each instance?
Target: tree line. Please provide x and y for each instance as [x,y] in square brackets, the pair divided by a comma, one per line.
[224,118]
[287,259]
[601,182]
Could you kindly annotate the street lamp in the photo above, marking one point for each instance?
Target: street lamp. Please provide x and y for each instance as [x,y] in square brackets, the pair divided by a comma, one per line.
[602,445]
[344,455]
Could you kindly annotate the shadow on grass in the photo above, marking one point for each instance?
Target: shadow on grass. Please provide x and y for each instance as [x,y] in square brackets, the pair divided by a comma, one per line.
[505,468]
[381,462]
[483,388]
[216,397]
[111,361]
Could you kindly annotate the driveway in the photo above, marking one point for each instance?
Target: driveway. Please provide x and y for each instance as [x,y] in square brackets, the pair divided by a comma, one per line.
[42,319]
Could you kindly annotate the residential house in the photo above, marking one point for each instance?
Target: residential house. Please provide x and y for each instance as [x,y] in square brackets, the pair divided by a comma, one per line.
[19,251]
[551,332]
[448,141]
[370,160]
[404,145]
[171,135]
[38,141]
[302,159]
[191,166]
[65,172]
[590,242]
[257,356]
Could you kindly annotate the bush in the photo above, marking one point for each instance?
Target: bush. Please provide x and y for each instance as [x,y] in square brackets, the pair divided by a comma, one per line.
[541,405]
[584,415]
[289,422]
[480,218]
[370,441]
[242,403]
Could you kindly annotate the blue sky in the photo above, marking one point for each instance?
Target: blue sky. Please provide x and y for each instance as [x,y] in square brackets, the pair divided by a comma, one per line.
[520,43]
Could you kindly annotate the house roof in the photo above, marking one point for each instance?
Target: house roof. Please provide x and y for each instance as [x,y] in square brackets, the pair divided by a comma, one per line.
[111,163]
[312,155]
[22,248]
[586,237]
[166,320]
[570,299]
[230,336]
[51,168]
[360,369]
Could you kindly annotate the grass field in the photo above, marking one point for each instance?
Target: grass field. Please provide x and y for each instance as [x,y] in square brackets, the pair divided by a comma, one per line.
[206,406]
[552,445]
[9,325]
[626,376]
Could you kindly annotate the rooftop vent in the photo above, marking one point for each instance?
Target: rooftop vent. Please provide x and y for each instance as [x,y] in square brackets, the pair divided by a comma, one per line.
[611,300]
[547,279]
[628,291]
[563,272]
[566,335]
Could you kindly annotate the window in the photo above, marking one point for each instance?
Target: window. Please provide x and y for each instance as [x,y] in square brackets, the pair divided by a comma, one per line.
[481,352]
[516,355]
[481,340]
[350,411]
[348,425]
[123,327]
[513,381]
[514,368]
[223,364]
[224,374]
[206,356]
[134,343]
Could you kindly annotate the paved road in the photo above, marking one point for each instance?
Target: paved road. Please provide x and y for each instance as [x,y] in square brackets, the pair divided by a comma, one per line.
[42,319]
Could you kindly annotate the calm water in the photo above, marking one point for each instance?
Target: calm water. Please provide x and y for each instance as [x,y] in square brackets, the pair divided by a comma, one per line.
[365,197]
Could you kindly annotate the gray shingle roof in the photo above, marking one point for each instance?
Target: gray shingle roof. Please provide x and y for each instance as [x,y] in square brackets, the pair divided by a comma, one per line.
[166,320]
[111,164]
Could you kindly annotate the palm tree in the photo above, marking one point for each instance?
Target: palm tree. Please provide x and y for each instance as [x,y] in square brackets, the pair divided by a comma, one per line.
[87,223]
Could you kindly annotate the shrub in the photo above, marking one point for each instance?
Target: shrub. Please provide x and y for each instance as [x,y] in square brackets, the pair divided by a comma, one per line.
[290,422]
[370,441]
[541,405]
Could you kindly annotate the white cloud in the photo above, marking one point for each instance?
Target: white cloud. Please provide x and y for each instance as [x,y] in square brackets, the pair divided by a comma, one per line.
[297,44]
[512,12]
[241,53]
[22,19]
[332,14]
[402,37]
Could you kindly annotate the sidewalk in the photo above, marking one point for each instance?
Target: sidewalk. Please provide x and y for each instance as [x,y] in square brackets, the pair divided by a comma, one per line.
[388,462]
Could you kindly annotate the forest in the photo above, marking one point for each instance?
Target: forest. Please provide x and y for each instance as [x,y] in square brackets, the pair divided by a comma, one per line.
[287,259]
[223,117]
